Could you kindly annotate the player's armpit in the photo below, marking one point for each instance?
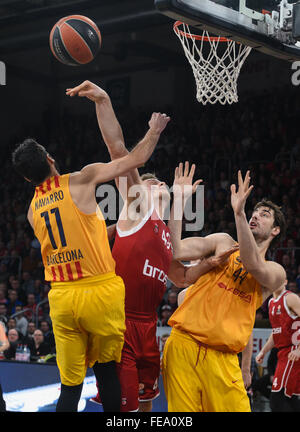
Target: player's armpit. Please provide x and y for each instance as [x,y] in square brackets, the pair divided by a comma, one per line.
[113,137]
[269,274]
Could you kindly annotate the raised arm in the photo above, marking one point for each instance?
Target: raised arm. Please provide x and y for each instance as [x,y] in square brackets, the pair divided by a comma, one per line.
[194,247]
[103,172]
[107,120]
[108,123]
[269,274]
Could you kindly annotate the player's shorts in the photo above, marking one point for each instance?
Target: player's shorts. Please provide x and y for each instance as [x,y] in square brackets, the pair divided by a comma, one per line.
[140,364]
[201,379]
[287,373]
[88,317]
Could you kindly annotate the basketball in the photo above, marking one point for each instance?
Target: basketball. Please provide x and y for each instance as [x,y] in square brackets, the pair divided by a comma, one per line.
[75,40]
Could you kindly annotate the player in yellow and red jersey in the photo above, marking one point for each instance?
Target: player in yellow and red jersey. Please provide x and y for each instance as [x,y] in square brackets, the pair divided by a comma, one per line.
[214,321]
[86,297]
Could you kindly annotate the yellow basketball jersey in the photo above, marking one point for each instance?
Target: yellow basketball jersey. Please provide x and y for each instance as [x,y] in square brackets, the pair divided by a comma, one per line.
[219,309]
[74,245]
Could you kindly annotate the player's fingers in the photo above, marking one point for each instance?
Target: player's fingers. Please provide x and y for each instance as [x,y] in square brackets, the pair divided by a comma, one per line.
[180,169]
[186,169]
[176,173]
[247,180]
[197,182]
[249,191]
[233,188]
[194,187]
[192,171]
[240,179]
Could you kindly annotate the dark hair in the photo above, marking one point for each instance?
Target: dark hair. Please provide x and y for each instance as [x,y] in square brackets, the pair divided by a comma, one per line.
[30,160]
[279,219]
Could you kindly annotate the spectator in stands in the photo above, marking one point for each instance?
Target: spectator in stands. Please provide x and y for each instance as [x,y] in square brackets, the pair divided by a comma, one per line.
[15,285]
[11,324]
[165,313]
[3,313]
[31,328]
[3,287]
[21,321]
[27,286]
[48,333]
[171,299]
[260,319]
[13,301]
[3,298]
[30,264]
[292,286]
[288,265]
[4,274]
[38,347]
[14,340]
[32,305]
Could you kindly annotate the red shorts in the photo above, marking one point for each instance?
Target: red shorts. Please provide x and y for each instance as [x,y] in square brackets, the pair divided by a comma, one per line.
[287,374]
[140,364]
[139,368]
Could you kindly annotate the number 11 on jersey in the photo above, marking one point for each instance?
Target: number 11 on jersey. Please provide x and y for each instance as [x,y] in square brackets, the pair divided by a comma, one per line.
[45,215]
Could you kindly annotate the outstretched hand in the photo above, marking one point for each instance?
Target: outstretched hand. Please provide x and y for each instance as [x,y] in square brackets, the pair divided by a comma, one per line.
[222,257]
[183,180]
[89,90]
[239,198]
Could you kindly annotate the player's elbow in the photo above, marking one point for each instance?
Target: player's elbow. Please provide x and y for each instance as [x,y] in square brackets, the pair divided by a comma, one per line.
[118,150]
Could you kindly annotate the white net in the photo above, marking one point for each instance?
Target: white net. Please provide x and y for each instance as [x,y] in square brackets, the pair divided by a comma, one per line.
[216,64]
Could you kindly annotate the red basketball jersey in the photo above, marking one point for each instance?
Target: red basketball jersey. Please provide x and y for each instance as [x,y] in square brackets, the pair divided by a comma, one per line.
[285,324]
[143,256]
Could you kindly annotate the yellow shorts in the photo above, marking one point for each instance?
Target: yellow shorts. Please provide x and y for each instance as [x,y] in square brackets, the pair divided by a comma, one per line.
[199,379]
[88,317]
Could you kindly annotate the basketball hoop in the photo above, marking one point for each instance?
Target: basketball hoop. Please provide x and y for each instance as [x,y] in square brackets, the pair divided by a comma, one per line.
[216,70]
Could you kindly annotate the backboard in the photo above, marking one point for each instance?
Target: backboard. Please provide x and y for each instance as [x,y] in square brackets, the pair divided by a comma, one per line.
[274,30]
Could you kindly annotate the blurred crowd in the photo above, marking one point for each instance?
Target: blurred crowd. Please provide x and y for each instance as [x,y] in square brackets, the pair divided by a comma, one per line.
[259,133]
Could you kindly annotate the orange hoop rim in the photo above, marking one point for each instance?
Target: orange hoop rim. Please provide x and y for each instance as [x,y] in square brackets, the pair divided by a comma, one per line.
[198,37]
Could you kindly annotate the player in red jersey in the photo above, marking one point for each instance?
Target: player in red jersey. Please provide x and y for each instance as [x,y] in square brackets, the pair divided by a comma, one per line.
[284,316]
[143,255]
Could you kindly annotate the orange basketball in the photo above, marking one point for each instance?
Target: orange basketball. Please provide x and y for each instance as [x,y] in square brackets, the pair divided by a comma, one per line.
[75,40]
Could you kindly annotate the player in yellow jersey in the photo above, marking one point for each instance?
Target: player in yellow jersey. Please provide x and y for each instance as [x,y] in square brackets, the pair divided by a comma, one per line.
[86,297]
[214,322]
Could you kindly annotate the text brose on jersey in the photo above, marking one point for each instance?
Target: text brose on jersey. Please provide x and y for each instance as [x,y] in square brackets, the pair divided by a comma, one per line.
[143,256]
[73,244]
